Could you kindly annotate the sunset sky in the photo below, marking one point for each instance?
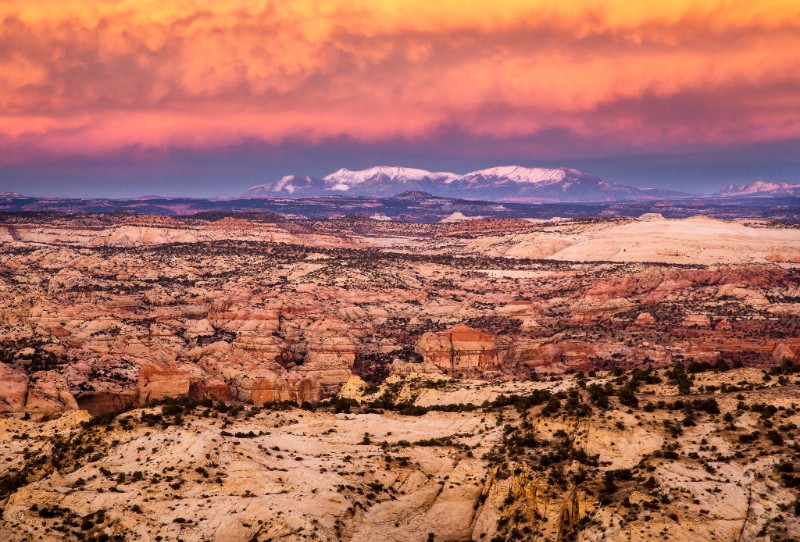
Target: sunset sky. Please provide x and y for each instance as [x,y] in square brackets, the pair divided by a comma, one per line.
[133,97]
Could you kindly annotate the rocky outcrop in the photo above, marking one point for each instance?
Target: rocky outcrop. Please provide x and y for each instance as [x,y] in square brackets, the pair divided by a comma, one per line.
[331,353]
[160,381]
[275,388]
[723,325]
[262,369]
[48,395]
[645,319]
[783,352]
[697,320]
[43,396]
[103,402]
[213,389]
[330,345]
[464,351]
[13,390]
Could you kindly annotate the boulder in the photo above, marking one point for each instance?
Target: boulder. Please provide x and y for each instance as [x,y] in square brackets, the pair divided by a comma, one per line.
[783,352]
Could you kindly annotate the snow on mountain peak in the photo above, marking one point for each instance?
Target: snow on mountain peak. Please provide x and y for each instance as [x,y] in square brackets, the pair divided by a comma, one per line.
[502,182]
[762,186]
[521,174]
[344,178]
[285,183]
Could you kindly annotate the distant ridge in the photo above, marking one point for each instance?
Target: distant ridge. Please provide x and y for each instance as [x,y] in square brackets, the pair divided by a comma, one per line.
[413,195]
[409,206]
[497,183]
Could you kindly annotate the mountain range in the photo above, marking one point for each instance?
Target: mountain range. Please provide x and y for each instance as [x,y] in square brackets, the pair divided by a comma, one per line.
[505,183]
[509,184]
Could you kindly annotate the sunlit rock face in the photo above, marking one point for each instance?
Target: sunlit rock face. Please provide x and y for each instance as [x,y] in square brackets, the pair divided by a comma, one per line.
[43,395]
[160,381]
[464,351]
[49,395]
[14,390]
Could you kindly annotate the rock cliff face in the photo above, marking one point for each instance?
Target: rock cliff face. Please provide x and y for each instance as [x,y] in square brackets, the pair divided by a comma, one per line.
[289,386]
[42,396]
[13,391]
[160,381]
[49,395]
[464,351]
[262,369]
[104,402]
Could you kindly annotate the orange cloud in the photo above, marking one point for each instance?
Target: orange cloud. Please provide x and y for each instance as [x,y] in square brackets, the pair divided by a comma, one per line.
[85,77]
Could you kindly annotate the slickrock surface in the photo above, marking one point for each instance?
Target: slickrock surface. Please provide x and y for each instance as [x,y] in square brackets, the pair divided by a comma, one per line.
[548,460]
[696,240]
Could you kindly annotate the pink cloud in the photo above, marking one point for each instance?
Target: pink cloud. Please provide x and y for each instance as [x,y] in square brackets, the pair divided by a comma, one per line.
[85,78]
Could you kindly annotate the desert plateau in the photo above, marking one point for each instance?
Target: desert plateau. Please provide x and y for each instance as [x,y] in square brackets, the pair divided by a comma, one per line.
[399,271]
[251,377]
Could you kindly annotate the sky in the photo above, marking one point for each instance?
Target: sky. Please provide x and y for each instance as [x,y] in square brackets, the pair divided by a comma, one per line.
[188,97]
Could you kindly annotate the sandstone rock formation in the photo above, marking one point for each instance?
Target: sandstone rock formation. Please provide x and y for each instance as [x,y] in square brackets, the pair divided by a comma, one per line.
[457,474]
[231,309]
[699,320]
[331,353]
[160,381]
[783,352]
[48,395]
[464,351]
[645,319]
[13,390]
[105,402]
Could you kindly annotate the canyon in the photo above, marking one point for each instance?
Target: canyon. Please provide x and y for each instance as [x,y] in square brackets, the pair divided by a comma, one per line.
[316,362]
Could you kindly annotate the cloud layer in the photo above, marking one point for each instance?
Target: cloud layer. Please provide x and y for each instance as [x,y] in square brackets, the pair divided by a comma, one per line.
[93,78]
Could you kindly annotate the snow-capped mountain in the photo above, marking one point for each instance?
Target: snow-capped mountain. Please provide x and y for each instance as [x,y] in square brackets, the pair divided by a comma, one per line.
[760,188]
[505,182]
[290,185]
[520,174]
[382,180]
[376,181]
[556,184]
